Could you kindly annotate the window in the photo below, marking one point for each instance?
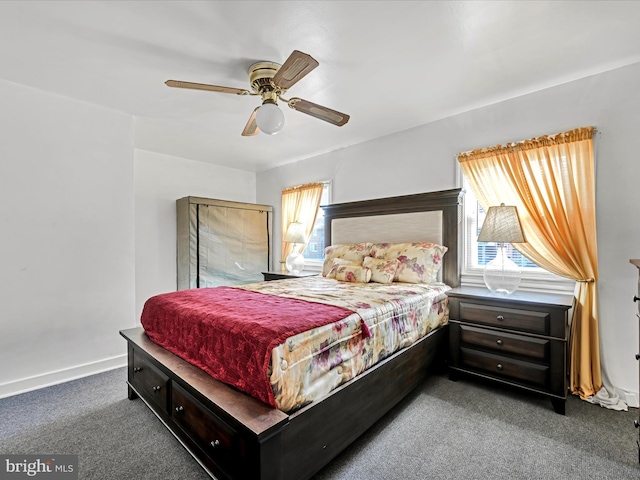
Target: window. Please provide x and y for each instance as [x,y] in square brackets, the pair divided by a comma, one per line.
[314,253]
[477,255]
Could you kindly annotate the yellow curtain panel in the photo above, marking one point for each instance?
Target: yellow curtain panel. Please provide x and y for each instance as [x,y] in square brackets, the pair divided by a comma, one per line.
[551,181]
[299,204]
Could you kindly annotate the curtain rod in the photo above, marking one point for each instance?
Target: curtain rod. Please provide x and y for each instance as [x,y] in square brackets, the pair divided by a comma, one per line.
[512,144]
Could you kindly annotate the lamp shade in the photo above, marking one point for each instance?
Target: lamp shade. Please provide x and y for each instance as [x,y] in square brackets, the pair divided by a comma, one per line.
[295,233]
[502,225]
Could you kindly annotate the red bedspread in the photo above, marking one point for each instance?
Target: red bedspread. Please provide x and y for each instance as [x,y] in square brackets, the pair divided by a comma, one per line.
[230,332]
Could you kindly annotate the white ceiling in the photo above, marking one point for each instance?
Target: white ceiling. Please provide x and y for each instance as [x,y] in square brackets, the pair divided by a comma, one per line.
[390,65]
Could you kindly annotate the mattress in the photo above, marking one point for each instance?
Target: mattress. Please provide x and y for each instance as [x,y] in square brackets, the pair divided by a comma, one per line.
[358,325]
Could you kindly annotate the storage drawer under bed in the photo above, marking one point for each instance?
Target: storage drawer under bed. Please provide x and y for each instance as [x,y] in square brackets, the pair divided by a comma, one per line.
[149,381]
[219,441]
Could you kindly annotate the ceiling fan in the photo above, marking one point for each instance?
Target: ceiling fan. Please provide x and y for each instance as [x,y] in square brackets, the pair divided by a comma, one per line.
[271,80]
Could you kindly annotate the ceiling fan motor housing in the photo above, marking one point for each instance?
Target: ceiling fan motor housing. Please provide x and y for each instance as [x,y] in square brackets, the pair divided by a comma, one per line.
[260,76]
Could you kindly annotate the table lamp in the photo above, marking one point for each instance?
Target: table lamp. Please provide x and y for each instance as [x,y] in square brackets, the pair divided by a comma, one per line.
[296,235]
[502,225]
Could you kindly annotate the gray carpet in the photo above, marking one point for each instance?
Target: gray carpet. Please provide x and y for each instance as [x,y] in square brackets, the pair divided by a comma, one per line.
[444,430]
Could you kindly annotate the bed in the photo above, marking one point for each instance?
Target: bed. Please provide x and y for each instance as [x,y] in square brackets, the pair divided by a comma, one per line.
[235,435]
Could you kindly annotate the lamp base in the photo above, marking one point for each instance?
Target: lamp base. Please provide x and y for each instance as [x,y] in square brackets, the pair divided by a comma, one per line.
[501,275]
[295,263]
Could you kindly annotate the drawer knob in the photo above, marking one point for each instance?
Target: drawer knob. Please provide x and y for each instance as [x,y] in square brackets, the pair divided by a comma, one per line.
[636,298]
[499,342]
[215,443]
[637,356]
[636,424]
[499,366]
[500,318]
[156,389]
[137,369]
[179,409]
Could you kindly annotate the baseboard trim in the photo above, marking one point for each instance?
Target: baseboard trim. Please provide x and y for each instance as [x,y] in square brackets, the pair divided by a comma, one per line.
[630,398]
[48,379]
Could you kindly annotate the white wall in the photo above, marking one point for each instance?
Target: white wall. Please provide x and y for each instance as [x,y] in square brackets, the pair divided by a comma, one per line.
[159,181]
[423,159]
[87,233]
[66,237]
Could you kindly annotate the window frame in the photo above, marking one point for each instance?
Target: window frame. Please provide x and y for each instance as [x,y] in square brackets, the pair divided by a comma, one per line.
[538,280]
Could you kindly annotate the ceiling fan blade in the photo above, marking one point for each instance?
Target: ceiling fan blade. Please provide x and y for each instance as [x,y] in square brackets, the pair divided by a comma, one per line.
[251,128]
[318,111]
[293,69]
[204,86]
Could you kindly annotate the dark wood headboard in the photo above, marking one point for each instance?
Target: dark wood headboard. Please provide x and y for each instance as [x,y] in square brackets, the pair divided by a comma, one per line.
[449,202]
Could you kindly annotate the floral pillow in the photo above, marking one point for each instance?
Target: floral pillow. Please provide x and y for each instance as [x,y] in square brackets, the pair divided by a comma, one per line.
[333,264]
[417,262]
[353,252]
[382,270]
[353,273]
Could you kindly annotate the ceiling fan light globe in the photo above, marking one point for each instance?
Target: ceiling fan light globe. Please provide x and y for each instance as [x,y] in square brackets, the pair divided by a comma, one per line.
[269,118]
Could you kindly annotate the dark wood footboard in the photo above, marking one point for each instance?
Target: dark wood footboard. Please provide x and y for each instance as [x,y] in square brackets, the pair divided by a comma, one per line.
[234,436]
[332,424]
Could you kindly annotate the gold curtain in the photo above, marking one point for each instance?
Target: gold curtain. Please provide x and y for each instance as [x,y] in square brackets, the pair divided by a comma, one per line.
[299,204]
[551,181]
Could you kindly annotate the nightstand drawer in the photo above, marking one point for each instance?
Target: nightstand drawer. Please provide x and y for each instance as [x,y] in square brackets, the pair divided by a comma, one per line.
[505,343]
[512,319]
[497,365]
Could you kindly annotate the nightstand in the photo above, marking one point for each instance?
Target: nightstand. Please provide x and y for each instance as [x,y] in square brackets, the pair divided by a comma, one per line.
[283,275]
[518,339]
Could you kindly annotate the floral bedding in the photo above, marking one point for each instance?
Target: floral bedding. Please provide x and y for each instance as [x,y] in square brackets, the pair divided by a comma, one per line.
[309,365]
